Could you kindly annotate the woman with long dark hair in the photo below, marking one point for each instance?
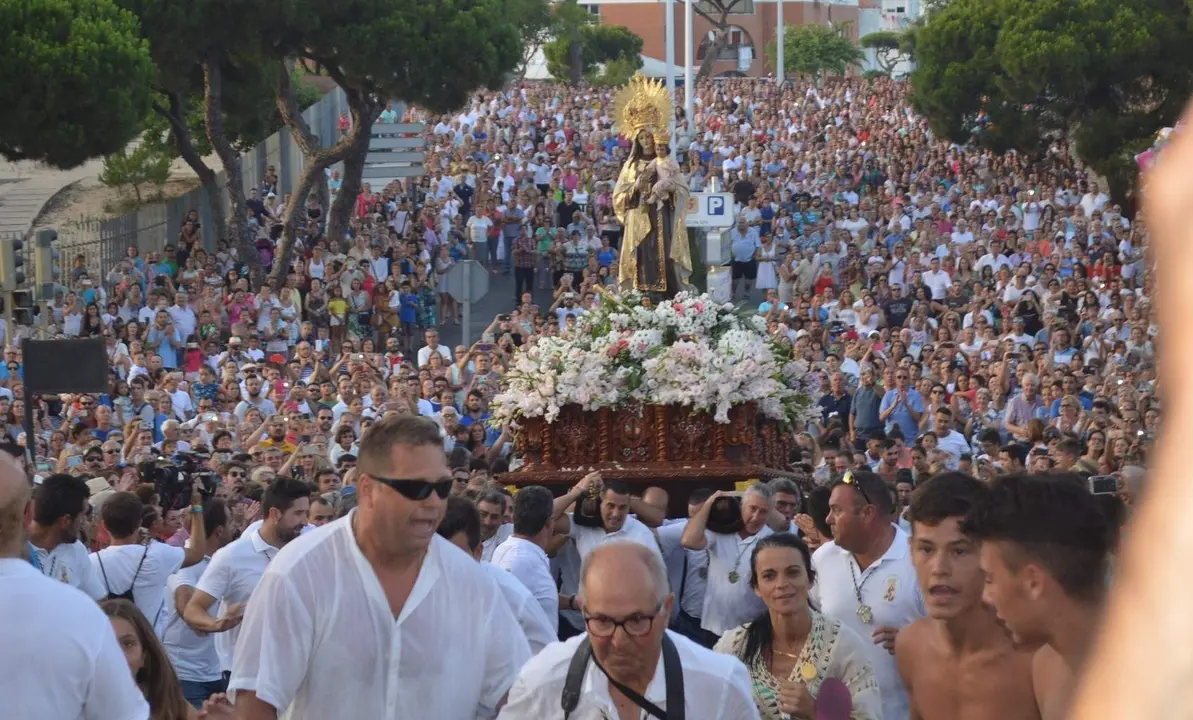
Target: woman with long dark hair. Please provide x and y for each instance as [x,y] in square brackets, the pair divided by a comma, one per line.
[151,667]
[790,649]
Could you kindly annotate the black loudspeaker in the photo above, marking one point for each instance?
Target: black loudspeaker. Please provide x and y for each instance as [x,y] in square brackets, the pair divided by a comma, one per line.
[65,366]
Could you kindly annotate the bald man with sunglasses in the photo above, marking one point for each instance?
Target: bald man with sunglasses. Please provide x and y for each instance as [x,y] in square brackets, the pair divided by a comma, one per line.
[344,620]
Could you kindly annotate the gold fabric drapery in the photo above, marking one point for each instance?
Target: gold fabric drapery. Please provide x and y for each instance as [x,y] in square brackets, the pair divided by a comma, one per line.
[634,214]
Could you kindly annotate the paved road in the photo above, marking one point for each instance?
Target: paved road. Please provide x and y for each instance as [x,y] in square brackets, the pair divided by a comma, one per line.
[499,299]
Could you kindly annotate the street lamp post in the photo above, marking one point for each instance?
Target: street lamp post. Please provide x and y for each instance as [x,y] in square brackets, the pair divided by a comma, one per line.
[780,70]
[688,55]
[670,40]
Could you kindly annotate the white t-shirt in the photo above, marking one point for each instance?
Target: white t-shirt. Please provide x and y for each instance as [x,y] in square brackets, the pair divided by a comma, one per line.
[62,659]
[118,564]
[319,637]
[889,587]
[716,686]
[633,530]
[540,632]
[530,565]
[70,563]
[728,604]
[489,546]
[231,578]
[193,655]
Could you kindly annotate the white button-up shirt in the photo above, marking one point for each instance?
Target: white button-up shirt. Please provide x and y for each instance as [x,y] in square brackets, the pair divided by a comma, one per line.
[729,604]
[530,565]
[633,530]
[534,623]
[489,546]
[61,657]
[889,587]
[716,686]
[70,563]
[320,640]
[232,576]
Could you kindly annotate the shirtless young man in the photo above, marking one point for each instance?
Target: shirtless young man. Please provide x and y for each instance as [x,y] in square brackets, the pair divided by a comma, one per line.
[1045,547]
[957,663]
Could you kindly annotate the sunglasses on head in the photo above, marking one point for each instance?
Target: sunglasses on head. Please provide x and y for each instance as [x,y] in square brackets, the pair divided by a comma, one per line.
[849,479]
[417,489]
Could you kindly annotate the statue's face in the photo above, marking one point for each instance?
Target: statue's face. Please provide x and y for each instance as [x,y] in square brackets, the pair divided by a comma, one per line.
[646,140]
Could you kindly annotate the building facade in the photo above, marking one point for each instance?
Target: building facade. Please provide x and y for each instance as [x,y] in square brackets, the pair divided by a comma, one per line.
[753,24]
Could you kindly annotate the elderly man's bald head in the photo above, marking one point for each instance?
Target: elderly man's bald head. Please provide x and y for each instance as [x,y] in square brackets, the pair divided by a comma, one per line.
[15,507]
[624,564]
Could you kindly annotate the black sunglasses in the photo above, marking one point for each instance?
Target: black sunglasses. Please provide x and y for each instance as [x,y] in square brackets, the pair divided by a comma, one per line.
[417,489]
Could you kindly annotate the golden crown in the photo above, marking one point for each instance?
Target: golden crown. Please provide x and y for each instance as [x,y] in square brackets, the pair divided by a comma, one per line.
[662,137]
[642,104]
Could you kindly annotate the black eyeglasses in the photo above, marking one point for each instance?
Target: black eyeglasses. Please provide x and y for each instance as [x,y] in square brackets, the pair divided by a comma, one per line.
[417,489]
[849,479]
[634,625]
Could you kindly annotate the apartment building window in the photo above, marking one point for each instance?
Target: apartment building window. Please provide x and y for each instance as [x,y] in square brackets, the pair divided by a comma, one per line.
[592,9]
[737,37]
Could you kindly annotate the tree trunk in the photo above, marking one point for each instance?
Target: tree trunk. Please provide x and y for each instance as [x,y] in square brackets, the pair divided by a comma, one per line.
[576,58]
[363,111]
[185,145]
[720,42]
[350,186]
[238,230]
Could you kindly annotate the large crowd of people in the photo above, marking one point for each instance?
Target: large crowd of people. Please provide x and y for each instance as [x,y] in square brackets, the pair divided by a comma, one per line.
[981,326]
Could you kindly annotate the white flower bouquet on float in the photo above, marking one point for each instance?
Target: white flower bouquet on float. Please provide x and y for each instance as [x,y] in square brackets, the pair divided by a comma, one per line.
[688,351]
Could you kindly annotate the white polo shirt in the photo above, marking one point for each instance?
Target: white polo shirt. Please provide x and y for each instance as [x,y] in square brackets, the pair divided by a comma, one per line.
[634,530]
[231,578]
[119,566]
[889,587]
[729,604]
[193,655]
[70,563]
[319,637]
[489,546]
[693,584]
[534,623]
[62,659]
[716,686]
[530,565]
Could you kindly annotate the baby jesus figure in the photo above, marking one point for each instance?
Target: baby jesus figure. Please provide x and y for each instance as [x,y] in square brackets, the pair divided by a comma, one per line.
[666,172]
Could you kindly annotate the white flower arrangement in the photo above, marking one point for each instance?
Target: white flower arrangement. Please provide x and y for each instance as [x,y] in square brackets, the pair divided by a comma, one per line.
[689,351]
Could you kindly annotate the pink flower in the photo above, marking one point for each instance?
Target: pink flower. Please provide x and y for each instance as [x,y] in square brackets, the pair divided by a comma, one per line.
[677,307]
[699,307]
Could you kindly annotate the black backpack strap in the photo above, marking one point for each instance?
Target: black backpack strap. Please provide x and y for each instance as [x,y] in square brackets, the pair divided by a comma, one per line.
[137,572]
[99,556]
[575,678]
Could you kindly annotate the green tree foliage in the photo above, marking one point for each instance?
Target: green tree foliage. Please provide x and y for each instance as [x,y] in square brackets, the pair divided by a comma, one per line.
[377,50]
[814,50]
[74,80]
[136,168]
[1105,75]
[889,48]
[614,46]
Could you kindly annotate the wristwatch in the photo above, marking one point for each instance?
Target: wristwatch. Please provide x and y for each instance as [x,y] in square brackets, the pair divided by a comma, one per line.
[196,509]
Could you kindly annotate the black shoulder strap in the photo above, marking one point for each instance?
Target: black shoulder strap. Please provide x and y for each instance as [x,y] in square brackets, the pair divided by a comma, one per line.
[672,674]
[575,678]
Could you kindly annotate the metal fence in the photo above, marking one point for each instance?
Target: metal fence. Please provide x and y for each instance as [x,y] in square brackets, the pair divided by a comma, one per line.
[103,242]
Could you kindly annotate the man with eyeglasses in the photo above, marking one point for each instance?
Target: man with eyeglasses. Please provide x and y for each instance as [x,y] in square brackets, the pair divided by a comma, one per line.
[902,406]
[865,577]
[626,668]
[400,590]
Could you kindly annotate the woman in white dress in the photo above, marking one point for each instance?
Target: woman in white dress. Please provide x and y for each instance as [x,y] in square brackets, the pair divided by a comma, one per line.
[790,649]
[768,276]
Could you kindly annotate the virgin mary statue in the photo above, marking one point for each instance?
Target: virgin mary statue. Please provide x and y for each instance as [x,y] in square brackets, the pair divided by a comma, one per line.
[651,195]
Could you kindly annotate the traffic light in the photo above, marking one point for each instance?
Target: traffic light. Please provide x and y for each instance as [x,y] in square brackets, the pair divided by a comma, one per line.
[45,268]
[23,308]
[11,260]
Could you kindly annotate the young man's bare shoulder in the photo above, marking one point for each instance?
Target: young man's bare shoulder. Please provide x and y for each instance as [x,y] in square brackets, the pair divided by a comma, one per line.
[911,643]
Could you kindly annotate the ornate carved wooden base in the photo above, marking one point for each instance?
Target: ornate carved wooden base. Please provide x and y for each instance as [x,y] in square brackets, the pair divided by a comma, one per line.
[650,444]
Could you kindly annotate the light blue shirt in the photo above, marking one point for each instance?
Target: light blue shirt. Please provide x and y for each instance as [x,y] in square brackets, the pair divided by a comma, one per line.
[902,416]
[744,245]
[159,342]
